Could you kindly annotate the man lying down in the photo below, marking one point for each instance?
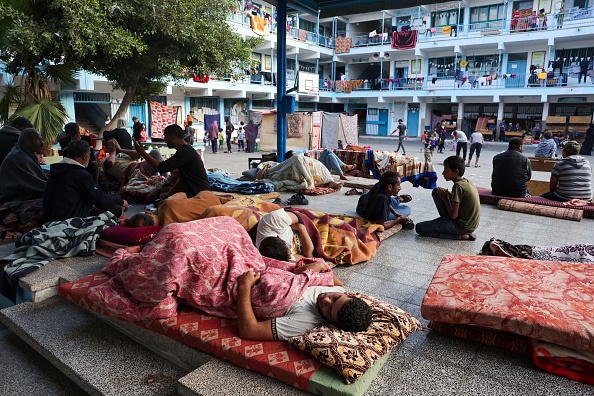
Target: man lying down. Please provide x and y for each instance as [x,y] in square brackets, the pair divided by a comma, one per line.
[212,265]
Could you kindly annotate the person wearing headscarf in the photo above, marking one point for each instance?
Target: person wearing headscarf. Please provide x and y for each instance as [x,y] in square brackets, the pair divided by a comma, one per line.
[213,136]
[251,134]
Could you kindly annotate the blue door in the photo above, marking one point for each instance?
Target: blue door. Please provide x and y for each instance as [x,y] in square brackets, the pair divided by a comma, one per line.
[382,124]
[138,110]
[516,74]
[412,120]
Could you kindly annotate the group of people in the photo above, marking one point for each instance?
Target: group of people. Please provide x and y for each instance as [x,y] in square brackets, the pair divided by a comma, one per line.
[571,176]
[246,136]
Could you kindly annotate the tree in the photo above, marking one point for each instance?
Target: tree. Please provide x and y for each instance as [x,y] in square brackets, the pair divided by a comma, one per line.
[140,46]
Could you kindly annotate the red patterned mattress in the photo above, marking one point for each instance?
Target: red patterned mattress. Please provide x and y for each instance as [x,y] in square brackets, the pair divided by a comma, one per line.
[546,300]
[487,197]
[220,337]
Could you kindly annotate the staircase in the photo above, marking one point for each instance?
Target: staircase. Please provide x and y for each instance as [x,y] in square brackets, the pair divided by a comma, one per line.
[83,121]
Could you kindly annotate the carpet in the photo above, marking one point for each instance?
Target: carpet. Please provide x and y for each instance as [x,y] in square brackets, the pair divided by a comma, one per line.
[541,210]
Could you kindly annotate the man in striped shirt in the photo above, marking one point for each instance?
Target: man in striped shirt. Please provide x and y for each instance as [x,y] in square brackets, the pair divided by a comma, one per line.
[571,177]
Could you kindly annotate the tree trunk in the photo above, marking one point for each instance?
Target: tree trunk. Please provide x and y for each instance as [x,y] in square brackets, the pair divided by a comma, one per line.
[121,111]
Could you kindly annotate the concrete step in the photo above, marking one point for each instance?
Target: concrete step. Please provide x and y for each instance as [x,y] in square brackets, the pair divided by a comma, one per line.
[98,358]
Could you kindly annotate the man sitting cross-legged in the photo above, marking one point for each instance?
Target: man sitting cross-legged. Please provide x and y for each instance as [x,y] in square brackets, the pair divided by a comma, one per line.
[191,169]
[382,203]
[459,210]
[571,177]
[22,183]
[71,190]
[511,171]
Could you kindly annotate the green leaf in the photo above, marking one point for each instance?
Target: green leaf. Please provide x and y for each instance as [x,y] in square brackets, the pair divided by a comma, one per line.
[46,115]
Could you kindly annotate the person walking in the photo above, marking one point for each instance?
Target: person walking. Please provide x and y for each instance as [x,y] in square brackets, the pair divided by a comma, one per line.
[213,136]
[441,132]
[401,132]
[229,128]
[462,144]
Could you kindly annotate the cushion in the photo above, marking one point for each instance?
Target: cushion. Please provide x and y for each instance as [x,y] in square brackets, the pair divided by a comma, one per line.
[250,173]
[352,354]
[129,236]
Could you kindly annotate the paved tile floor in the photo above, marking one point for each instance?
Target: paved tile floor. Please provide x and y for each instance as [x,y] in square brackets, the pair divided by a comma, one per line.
[427,363]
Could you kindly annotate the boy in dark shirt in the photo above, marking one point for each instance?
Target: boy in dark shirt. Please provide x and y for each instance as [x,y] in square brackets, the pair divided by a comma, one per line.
[191,168]
[381,204]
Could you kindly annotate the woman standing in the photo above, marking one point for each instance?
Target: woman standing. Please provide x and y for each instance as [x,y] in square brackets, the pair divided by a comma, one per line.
[588,142]
[251,134]
[213,136]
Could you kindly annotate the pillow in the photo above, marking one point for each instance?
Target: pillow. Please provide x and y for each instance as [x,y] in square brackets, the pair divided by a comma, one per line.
[250,173]
[130,236]
[352,354]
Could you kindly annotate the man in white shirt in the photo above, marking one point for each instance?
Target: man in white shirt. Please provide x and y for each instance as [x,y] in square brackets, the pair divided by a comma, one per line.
[476,144]
[317,305]
[282,236]
[462,144]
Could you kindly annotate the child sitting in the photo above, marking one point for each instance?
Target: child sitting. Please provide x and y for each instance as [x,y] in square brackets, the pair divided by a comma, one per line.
[459,210]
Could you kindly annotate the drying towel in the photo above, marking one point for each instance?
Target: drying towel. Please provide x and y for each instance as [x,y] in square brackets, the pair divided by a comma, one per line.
[260,25]
[330,122]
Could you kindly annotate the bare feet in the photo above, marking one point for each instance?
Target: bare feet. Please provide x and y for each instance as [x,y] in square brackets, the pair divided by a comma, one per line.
[335,185]
[347,168]
[343,177]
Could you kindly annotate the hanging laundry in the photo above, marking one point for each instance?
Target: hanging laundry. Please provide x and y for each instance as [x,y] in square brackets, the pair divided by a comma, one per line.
[260,25]
[295,125]
[161,117]
[405,39]
[446,30]
[343,45]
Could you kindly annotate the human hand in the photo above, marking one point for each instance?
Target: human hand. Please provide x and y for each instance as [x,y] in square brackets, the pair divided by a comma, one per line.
[248,279]
[110,146]
[317,266]
[402,219]
[138,147]
[443,193]
[125,205]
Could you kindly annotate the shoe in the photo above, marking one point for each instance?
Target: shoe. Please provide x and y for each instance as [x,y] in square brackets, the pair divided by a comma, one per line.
[409,225]
[278,201]
[404,198]
[297,199]
[353,191]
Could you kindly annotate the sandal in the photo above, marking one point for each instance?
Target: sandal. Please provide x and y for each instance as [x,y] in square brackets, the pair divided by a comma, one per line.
[405,198]
[278,201]
[353,191]
[409,225]
[297,199]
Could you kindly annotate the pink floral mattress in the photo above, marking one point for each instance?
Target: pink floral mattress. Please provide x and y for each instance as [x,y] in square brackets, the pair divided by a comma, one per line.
[546,300]
[220,337]
[487,197]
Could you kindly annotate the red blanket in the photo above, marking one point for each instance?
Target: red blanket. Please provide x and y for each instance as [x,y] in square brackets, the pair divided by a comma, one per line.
[198,263]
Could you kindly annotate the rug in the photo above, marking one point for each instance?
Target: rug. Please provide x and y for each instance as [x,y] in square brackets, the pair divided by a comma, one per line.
[541,210]
[320,190]
[161,116]
[357,182]
[342,45]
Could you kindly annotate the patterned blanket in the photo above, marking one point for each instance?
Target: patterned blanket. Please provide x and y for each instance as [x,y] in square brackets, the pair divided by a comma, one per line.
[197,263]
[220,182]
[68,238]
[409,168]
[337,238]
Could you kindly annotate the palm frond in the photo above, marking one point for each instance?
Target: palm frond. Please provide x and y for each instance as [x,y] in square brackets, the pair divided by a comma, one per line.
[46,115]
[60,74]
[11,95]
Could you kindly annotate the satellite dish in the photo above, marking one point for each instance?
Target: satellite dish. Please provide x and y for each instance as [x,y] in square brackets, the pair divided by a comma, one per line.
[376,56]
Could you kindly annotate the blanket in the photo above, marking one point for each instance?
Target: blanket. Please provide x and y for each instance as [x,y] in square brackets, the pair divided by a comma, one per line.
[197,264]
[337,238]
[297,173]
[178,208]
[21,216]
[578,253]
[220,182]
[57,239]
[340,239]
[409,168]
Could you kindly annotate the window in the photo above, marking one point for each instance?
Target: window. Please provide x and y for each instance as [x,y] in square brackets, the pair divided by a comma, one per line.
[446,18]
[307,25]
[201,102]
[487,13]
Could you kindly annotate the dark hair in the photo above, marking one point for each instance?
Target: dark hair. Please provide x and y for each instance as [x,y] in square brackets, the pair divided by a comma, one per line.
[354,315]
[400,120]
[387,179]
[71,129]
[227,119]
[241,123]
[274,247]
[175,131]
[190,123]
[220,129]
[515,143]
[78,148]
[21,123]
[455,162]
[27,134]
[289,154]
[547,135]
[140,220]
